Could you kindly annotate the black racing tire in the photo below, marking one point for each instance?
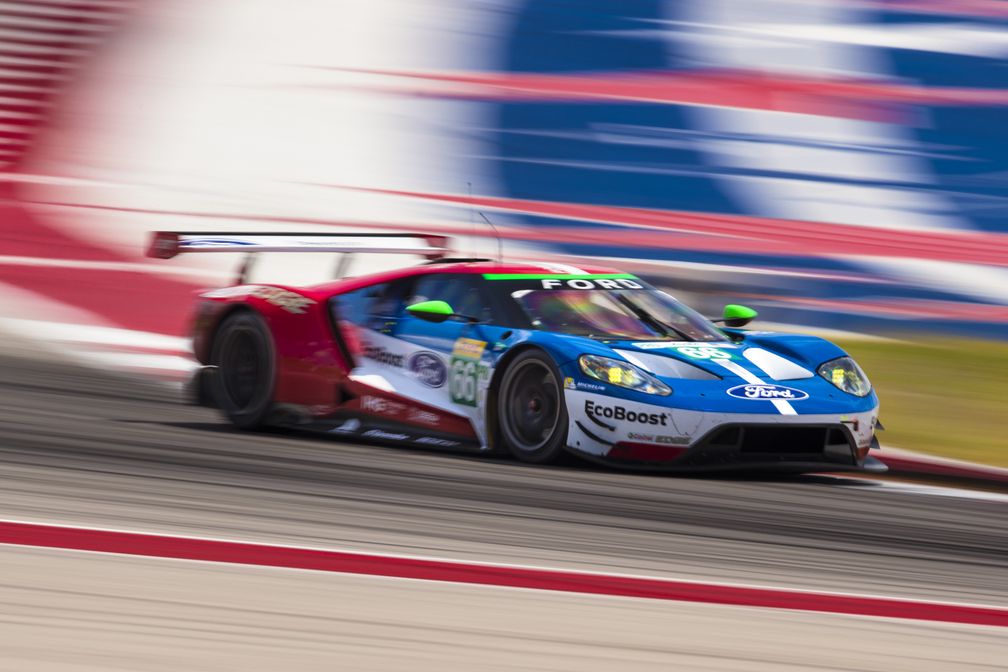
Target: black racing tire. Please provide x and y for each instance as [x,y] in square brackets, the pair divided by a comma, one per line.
[531,410]
[243,381]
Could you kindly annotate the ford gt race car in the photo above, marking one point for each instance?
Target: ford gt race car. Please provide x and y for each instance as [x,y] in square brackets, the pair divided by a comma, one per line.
[530,359]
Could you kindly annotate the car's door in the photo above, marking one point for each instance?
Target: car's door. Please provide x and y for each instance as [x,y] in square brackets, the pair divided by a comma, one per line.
[445,365]
[368,313]
[464,343]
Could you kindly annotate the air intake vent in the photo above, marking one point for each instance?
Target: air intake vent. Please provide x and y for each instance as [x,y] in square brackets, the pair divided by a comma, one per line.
[787,440]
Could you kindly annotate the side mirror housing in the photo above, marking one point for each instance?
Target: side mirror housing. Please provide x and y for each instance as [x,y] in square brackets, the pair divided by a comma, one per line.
[431,311]
[735,315]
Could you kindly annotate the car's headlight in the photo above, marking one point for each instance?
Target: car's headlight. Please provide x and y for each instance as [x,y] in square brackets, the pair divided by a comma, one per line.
[623,374]
[845,374]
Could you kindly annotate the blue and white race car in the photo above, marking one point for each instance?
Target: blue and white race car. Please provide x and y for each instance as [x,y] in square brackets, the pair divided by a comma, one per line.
[532,359]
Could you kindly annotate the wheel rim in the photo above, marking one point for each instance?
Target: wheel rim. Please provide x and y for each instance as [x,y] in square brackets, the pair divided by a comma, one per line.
[242,367]
[531,407]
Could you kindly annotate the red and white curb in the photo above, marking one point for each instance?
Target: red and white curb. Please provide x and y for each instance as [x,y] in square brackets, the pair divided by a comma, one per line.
[99,540]
[911,463]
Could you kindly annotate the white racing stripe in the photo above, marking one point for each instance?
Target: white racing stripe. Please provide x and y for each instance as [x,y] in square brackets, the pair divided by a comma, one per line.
[774,365]
[783,407]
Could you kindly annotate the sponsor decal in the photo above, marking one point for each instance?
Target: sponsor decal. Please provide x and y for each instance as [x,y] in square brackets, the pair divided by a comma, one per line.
[585,283]
[349,427]
[381,405]
[384,356]
[227,292]
[381,326]
[292,302]
[669,440]
[767,392]
[596,411]
[659,345]
[426,417]
[428,368]
[703,352]
[382,434]
[468,348]
[436,441]
[211,242]
[571,384]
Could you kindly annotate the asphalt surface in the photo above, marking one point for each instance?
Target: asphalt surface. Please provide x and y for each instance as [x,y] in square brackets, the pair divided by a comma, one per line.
[64,611]
[89,448]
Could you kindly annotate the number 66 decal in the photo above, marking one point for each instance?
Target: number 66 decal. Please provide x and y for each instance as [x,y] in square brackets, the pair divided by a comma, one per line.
[462,381]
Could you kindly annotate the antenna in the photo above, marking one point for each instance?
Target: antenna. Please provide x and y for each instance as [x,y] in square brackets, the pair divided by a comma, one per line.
[500,243]
[472,221]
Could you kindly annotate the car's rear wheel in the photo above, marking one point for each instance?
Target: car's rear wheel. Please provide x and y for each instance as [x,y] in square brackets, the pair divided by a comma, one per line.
[531,411]
[242,353]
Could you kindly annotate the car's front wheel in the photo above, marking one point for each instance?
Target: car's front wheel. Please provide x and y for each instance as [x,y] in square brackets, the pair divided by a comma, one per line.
[242,384]
[530,408]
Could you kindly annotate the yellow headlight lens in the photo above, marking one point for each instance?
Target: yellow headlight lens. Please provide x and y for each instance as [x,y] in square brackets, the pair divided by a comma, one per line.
[623,374]
[846,375]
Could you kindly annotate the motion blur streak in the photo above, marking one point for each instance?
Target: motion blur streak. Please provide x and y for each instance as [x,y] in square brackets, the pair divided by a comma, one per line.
[833,163]
[751,232]
[854,144]
[738,90]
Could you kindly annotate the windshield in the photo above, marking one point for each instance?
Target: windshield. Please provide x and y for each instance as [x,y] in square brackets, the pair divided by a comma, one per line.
[625,314]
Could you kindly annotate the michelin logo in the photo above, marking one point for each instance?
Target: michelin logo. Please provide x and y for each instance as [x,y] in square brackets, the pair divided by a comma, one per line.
[767,393]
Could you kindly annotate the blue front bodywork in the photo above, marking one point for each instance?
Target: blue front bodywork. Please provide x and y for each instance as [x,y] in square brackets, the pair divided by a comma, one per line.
[705,395]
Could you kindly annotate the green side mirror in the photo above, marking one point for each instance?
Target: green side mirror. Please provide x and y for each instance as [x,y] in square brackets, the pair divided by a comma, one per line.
[735,315]
[432,311]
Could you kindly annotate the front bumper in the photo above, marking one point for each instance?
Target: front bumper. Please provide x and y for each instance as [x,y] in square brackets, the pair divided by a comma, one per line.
[628,433]
[793,448]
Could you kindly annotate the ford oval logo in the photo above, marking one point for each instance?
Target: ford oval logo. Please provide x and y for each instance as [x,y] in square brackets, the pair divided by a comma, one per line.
[767,392]
[428,368]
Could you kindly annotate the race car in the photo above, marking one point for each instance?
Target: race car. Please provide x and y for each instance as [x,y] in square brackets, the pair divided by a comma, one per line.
[527,359]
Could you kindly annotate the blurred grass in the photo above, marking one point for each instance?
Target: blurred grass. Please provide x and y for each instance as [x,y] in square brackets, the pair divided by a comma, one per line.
[946,397]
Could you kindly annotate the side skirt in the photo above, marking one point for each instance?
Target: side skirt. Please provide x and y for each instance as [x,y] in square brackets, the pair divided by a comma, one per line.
[370,429]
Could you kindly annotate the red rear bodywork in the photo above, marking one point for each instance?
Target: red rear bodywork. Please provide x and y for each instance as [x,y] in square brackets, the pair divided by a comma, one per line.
[314,356]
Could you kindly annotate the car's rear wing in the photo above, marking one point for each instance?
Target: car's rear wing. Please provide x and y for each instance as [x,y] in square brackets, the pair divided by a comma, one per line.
[167,244]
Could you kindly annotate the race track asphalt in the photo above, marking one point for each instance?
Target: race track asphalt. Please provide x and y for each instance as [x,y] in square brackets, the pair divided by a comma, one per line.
[90,448]
[64,611]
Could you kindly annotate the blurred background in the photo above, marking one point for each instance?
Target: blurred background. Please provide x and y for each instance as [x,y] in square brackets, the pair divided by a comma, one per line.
[840,165]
